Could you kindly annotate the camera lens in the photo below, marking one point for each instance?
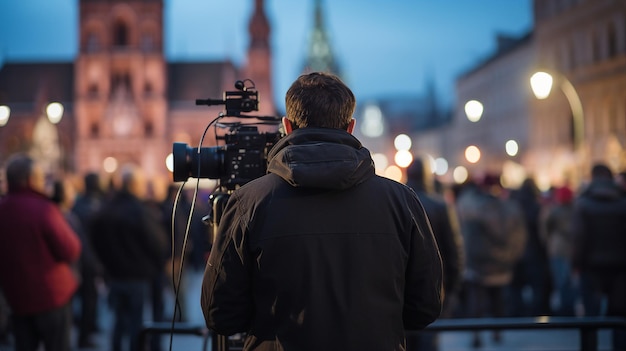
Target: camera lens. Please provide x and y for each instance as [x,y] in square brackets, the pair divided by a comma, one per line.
[188,162]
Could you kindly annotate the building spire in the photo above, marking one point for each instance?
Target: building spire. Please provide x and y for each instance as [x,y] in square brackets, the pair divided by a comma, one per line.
[320,57]
[259,65]
[259,27]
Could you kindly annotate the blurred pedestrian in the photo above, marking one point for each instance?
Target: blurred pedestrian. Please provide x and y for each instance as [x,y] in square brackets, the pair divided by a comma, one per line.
[37,251]
[129,240]
[559,236]
[443,221]
[87,203]
[64,195]
[600,247]
[620,179]
[321,253]
[532,272]
[494,234]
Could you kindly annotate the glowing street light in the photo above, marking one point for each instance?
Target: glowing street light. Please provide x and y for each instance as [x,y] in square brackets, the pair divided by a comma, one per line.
[110,164]
[472,154]
[54,111]
[169,162]
[402,142]
[5,113]
[541,84]
[441,166]
[460,174]
[403,158]
[474,110]
[511,147]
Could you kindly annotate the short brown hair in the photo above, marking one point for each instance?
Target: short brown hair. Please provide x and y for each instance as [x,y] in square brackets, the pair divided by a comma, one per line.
[319,100]
[18,171]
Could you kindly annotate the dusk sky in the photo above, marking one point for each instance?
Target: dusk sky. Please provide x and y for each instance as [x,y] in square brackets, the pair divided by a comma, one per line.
[383,46]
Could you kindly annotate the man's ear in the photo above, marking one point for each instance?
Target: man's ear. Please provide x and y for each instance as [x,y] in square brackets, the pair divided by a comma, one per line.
[351,125]
[287,125]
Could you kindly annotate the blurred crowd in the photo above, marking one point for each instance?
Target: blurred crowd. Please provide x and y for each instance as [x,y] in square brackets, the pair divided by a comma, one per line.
[129,252]
[523,252]
[506,252]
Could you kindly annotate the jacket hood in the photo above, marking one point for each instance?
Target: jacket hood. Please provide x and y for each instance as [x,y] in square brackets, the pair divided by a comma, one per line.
[321,158]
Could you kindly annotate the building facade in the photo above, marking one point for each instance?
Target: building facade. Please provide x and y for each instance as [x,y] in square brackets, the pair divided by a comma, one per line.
[123,101]
[500,85]
[582,43]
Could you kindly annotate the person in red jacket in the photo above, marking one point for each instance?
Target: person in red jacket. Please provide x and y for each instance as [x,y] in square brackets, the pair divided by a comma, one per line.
[37,250]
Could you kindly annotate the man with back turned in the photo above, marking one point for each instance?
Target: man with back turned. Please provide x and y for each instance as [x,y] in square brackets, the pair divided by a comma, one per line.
[321,253]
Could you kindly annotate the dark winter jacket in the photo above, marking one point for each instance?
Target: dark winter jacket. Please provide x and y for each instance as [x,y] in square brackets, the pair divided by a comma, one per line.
[444,224]
[600,227]
[128,239]
[37,249]
[322,254]
[494,234]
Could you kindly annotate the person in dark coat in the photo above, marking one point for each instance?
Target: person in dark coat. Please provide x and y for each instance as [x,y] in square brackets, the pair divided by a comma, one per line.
[600,247]
[532,272]
[321,253]
[557,229]
[87,203]
[37,251]
[494,234]
[129,240]
[445,226]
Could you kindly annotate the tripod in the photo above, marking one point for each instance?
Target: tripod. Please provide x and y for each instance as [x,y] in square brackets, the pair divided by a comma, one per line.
[218,202]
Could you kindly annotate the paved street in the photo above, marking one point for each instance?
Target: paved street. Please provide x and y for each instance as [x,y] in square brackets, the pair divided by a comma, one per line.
[548,340]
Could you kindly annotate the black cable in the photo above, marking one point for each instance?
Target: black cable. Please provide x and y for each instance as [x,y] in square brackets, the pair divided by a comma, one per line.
[176,284]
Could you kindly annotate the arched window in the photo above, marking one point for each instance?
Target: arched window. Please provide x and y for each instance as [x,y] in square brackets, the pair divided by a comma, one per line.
[148,129]
[612,40]
[596,48]
[147,42]
[94,130]
[93,42]
[120,34]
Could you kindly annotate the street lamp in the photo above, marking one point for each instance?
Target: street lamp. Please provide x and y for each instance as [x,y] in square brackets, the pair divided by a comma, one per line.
[5,113]
[473,110]
[541,84]
[54,111]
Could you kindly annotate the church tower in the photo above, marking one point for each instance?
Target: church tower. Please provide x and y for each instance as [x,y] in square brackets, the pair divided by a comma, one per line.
[320,57]
[259,61]
[120,86]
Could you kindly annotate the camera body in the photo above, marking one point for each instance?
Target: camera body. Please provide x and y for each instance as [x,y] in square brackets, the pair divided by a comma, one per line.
[242,157]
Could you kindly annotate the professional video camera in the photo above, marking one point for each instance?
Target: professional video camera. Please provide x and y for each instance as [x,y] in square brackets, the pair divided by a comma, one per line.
[243,157]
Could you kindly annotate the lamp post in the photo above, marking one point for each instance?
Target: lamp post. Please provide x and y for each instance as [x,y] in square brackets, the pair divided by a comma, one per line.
[541,84]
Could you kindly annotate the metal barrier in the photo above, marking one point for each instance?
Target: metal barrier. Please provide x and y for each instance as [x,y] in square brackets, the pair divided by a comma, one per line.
[587,326]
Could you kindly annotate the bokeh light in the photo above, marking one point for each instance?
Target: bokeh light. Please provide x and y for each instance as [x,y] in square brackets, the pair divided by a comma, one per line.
[109,164]
[460,174]
[54,111]
[403,158]
[511,147]
[472,154]
[402,142]
[473,110]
